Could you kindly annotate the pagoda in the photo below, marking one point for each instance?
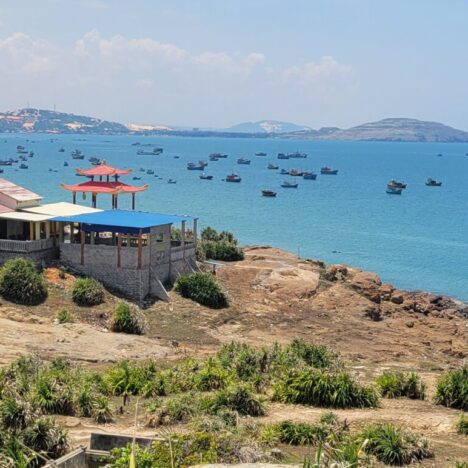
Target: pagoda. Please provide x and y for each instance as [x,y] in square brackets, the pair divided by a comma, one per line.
[104,184]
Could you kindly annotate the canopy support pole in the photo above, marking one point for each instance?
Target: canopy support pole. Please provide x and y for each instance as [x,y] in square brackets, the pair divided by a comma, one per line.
[133,200]
[182,238]
[82,240]
[116,201]
[140,244]
[74,198]
[119,246]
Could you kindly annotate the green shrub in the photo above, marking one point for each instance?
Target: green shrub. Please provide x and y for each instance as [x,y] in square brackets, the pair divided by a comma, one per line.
[400,384]
[452,389]
[299,433]
[238,398]
[202,288]
[102,410]
[127,319]
[462,424]
[46,437]
[210,377]
[392,446]
[87,292]
[65,316]
[313,355]
[326,389]
[20,282]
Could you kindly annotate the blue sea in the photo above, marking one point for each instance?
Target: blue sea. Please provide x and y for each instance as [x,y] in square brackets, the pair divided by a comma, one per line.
[416,241]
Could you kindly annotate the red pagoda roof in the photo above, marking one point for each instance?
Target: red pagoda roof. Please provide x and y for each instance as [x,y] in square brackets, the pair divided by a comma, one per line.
[103,170]
[104,187]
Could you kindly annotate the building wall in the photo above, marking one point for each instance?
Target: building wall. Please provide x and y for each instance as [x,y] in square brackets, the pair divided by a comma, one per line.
[41,258]
[100,262]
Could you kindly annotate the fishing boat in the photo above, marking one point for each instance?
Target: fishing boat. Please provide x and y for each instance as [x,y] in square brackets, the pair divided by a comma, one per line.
[65,164]
[283,156]
[142,169]
[172,181]
[93,159]
[136,178]
[268,193]
[287,184]
[21,150]
[219,155]
[328,171]
[77,154]
[206,176]
[295,173]
[150,172]
[152,152]
[433,183]
[260,153]
[440,155]
[272,166]
[1,171]
[22,158]
[243,161]
[61,150]
[297,154]
[233,178]
[31,154]
[199,166]
[309,175]
[396,184]
[5,163]
[23,166]
[284,172]
[213,157]
[393,190]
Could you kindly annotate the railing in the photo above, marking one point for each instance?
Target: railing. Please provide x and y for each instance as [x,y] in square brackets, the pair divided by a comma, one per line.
[7,245]
[181,248]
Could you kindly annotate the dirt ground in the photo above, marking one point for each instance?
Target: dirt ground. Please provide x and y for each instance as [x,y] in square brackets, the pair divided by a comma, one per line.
[274,297]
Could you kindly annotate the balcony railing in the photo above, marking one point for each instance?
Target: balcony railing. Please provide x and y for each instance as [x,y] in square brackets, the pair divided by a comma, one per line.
[7,245]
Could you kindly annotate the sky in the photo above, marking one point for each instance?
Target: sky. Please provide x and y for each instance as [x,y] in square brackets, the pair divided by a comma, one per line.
[215,63]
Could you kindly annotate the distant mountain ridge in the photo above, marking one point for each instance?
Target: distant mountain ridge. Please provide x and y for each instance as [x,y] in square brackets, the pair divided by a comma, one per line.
[391,129]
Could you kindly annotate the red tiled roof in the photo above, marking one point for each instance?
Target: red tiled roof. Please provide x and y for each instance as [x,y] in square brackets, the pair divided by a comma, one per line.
[103,170]
[104,187]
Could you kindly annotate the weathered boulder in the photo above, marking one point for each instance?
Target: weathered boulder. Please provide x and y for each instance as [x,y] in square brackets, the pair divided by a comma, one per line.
[368,284]
[335,272]
[386,291]
[373,313]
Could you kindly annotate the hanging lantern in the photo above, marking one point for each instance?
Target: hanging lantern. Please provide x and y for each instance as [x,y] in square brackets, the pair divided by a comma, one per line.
[84,196]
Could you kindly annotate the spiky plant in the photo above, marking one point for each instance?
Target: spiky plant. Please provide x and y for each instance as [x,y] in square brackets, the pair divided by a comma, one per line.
[102,410]
[45,436]
[452,389]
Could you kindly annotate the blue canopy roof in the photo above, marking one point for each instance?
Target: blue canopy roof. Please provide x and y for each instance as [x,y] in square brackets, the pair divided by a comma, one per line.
[121,220]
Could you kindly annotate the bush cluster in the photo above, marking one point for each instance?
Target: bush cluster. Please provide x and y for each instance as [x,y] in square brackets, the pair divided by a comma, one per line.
[335,389]
[202,288]
[87,292]
[462,424]
[393,446]
[218,246]
[126,319]
[452,389]
[401,384]
[20,282]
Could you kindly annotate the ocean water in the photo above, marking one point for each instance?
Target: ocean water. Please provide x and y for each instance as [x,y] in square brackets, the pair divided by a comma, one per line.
[418,240]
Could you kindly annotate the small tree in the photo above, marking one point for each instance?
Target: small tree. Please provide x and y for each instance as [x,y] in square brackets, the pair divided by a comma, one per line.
[20,282]
[87,292]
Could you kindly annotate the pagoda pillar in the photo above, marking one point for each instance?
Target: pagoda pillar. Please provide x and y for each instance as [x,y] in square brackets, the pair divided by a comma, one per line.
[116,200]
[74,198]
[133,200]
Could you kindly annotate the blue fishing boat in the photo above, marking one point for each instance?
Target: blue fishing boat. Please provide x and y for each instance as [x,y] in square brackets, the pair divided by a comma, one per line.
[206,176]
[233,178]
[23,166]
[272,166]
[260,153]
[283,156]
[393,190]
[65,164]
[433,183]
[199,166]
[297,154]
[172,181]
[309,175]
[284,172]
[150,172]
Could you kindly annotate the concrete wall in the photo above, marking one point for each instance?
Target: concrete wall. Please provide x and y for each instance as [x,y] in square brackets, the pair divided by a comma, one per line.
[41,258]
[100,262]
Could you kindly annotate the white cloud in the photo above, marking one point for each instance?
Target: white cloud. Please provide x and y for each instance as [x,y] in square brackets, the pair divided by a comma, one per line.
[327,71]
[144,83]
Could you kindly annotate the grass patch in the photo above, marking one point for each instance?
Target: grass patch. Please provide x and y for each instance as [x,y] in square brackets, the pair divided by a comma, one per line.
[401,384]
[462,424]
[452,389]
[65,316]
[202,288]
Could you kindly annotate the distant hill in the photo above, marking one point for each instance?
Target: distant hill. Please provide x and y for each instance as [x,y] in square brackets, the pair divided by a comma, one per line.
[396,129]
[266,126]
[39,120]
